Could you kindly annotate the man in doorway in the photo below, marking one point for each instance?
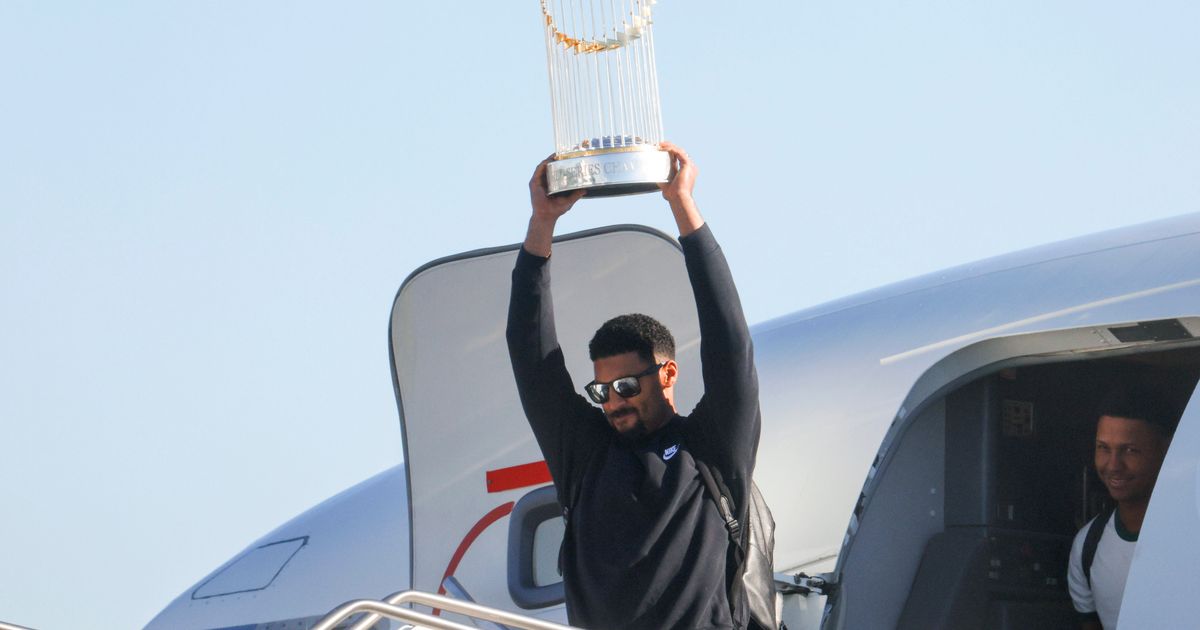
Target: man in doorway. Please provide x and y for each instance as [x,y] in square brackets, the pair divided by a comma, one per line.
[644,545]
[1133,431]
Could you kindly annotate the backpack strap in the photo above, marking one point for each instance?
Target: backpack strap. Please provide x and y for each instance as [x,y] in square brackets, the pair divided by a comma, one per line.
[747,614]
[1092,541]
[736,559]
[725,506]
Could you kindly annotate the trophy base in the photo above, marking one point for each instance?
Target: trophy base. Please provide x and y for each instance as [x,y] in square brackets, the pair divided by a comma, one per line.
[609,173]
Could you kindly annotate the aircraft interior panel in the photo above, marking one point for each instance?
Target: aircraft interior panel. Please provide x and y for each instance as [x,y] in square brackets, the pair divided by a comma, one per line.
[971,521]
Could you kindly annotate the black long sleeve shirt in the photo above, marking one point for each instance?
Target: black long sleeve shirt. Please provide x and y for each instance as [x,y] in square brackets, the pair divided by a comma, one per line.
[645,547]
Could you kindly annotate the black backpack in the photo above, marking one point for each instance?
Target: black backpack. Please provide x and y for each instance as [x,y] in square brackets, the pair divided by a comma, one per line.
[752,587]
[753,548]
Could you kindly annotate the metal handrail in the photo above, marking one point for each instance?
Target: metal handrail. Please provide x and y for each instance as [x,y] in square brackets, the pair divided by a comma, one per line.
[455,589]
[12,626]
[390,607]
[395,599]
[380,609]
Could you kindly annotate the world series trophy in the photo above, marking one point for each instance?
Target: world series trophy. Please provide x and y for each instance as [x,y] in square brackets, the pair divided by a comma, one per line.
[604,97]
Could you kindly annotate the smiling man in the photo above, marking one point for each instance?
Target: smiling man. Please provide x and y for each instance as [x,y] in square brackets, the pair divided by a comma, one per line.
[644,546]
[1133,433]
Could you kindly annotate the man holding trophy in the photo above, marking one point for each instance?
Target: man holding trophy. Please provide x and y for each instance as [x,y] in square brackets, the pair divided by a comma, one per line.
[645,546]
[648,528]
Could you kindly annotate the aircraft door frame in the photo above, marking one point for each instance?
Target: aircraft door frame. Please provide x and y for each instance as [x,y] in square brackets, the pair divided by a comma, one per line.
[469,452]
[1163,580]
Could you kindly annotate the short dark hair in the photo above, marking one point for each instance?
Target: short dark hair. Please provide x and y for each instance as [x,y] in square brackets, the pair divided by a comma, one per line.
[1142,402]
[632,333]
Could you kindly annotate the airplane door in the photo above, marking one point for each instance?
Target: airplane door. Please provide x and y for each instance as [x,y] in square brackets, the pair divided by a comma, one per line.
[1164,580]
[469,451]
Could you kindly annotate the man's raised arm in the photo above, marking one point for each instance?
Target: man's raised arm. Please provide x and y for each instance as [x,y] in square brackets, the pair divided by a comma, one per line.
[730,382]
[547,394]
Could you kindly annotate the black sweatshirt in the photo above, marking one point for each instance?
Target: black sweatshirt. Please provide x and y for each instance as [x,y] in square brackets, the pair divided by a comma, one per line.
[645,546]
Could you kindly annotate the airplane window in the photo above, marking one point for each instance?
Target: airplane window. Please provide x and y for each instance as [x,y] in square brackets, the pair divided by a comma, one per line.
[546,541]
[535,532]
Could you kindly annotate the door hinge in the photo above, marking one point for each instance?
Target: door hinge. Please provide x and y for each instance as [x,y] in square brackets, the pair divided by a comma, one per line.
[805,584]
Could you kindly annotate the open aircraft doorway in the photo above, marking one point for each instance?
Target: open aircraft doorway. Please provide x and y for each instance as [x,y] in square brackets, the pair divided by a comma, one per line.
[968,516]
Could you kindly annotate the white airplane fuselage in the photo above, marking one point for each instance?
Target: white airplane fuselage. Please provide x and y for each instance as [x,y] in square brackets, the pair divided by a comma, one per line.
[924,445]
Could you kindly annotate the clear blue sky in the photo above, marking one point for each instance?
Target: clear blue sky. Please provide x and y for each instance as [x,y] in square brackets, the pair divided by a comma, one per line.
[206,209]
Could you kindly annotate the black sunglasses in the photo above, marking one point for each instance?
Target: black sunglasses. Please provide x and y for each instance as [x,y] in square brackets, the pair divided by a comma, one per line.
[626,386]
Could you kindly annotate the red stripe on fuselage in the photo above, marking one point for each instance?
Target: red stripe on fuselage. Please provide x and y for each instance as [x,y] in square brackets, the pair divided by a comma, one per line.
[489,518]
[513,477]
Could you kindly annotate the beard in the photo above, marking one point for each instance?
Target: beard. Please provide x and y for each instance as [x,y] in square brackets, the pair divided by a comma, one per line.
[634,432]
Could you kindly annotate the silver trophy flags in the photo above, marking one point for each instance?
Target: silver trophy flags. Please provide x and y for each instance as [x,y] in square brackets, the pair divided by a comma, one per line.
[604,97]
